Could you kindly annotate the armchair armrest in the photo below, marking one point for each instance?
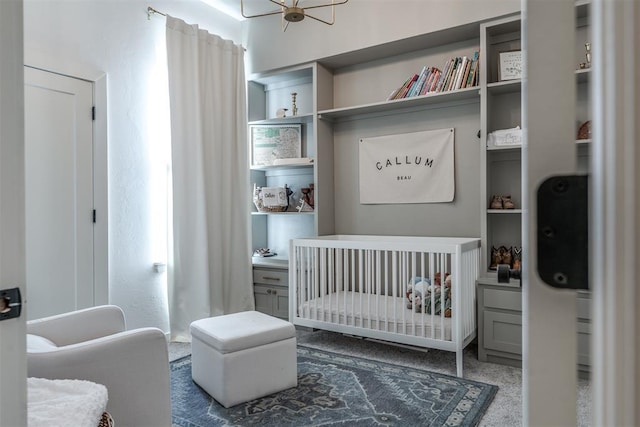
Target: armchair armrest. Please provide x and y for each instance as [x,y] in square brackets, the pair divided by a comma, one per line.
[133,365]
[78,326]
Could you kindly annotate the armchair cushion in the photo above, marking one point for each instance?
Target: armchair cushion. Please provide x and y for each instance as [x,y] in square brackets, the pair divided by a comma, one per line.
[36,343]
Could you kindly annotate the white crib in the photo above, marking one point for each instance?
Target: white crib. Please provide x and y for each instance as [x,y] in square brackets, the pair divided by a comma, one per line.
[358,284]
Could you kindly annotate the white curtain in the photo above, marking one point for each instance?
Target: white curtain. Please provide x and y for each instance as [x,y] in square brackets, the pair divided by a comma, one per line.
[210,270]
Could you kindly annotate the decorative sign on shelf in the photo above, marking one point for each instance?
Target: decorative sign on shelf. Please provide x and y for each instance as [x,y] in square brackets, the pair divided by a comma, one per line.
[510,65]
[415,167]
[272,142]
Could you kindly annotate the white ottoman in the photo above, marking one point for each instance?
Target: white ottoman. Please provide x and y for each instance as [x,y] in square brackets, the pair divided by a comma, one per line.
[243,356]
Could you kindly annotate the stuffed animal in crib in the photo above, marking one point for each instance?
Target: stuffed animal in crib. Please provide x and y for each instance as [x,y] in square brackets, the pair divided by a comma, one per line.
[417,289]
[420,291]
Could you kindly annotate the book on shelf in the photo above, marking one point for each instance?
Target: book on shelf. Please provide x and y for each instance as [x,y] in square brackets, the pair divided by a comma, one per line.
[404,92]
[415,87]
[457,73]
[395,93]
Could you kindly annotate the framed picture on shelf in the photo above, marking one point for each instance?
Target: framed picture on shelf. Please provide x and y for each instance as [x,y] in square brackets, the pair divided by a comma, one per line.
[272,142]
[510,65]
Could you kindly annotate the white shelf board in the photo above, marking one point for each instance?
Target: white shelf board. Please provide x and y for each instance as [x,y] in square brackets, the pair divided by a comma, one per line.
[504,147]
[283,213]
[300,118]
[504,211]
[270,262]
[583,141]
[507,86]
[281,167]
[583,75]
[399,104]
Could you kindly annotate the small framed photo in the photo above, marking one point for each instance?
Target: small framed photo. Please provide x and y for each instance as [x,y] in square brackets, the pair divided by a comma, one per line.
[510,65]
[272,142]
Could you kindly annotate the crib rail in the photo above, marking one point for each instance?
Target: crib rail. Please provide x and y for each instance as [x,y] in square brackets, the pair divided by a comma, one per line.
[359,285]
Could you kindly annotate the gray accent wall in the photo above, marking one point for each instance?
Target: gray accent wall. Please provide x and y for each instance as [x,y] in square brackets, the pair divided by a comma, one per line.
[460,218]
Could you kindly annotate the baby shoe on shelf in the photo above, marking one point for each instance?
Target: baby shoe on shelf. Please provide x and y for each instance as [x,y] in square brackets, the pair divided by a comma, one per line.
[496,258]
[507,203]
[517,258]
[496,202]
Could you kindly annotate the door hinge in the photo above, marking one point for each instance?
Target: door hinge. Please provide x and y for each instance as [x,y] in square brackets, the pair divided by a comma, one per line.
[93,113]
[94,216]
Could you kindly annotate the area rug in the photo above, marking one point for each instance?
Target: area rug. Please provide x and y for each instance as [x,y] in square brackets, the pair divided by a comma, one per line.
[335,389]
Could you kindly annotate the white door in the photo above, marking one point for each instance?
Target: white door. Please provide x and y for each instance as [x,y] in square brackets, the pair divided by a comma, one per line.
[549,366]
[13,372]
[59,193]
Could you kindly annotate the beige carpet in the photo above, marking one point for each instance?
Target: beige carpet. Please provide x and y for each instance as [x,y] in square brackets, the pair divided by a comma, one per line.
[506,409]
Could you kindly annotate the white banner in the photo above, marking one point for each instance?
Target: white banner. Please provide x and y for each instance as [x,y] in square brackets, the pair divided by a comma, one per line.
[413,167]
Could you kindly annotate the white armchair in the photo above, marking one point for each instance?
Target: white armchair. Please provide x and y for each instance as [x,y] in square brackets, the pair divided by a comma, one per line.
[93,345]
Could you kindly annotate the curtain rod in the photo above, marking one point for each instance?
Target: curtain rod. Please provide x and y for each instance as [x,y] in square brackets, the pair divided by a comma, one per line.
[151,10]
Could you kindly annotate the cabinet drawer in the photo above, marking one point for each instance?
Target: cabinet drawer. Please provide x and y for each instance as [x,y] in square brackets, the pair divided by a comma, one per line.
[584,343]
[271,277]
[503,332]
[503,299]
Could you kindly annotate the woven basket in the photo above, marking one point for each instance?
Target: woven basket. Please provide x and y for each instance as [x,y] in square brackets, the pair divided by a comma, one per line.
[257,201]
[106,420]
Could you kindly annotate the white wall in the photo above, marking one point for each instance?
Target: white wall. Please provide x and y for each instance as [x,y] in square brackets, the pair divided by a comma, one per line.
[359,24]
[115,37]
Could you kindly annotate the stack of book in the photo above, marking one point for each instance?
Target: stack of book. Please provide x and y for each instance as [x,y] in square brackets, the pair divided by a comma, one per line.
[457,73]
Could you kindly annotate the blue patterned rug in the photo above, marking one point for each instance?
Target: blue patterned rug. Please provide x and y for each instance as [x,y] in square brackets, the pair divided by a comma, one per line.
[335,389]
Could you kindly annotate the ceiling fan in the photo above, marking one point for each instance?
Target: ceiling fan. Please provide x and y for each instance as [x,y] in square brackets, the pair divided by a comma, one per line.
[292,11]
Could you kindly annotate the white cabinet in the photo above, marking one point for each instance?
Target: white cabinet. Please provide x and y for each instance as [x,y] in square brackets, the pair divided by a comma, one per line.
[271,291]
[500,325]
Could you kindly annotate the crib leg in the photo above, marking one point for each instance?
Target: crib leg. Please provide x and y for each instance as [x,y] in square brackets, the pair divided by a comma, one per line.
[459,363]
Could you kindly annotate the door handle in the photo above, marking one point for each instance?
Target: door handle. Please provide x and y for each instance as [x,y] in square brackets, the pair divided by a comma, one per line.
[10,303]
[563,231]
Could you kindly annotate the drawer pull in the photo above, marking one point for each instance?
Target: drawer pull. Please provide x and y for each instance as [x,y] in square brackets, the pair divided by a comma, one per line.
[270,278]
[272,291]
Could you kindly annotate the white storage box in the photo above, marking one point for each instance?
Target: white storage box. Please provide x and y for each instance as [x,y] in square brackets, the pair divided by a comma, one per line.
[243,356]
[505,138]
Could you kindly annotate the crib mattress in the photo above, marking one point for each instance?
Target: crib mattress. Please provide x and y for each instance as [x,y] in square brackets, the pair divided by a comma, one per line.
[377,312]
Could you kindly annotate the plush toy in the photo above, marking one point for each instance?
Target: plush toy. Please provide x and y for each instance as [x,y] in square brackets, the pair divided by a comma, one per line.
[417,289]
[420,291]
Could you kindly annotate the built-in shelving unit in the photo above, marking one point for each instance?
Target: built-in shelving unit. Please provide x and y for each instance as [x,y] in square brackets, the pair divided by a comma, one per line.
[268,93]
[342,99]
[500,304]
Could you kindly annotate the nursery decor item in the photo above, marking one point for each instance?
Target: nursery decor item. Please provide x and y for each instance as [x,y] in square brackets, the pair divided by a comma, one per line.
[294,107]
[510,65]
[271,199]
[584,131]
[272,142]
[336,388]
[415,167]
